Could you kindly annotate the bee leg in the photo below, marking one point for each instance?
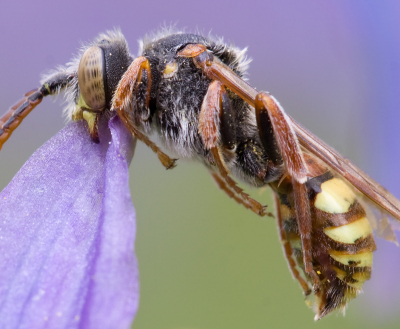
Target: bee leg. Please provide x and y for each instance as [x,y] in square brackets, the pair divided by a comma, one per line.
[209,130]
[287,249]
[224,187]
[132,80]
[267,108]
[14,116]
[303,217]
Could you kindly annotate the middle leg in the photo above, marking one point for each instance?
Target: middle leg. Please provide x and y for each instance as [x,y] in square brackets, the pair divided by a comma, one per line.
[214,114]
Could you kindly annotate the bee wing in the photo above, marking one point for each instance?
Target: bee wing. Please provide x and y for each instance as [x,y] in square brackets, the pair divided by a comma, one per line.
[366,185]
[371,189]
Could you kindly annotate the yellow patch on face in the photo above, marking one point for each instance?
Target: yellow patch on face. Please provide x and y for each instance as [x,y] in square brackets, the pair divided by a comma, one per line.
[357,260]
[335,198]
[350,233]
[81,104]
[77,114]
[170,70]
[90,118]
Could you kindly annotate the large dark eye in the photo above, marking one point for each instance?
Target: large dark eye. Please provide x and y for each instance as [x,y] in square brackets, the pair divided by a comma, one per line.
[91,78]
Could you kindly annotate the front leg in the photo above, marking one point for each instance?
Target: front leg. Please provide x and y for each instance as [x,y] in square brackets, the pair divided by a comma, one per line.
[137,80]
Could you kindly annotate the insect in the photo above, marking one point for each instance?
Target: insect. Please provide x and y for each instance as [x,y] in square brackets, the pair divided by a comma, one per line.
[190,89]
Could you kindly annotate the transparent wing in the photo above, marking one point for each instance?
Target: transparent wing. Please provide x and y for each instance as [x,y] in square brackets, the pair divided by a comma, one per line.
[366,185]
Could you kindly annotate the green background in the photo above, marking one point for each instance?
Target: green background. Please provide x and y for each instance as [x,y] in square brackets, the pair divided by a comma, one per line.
[206,262]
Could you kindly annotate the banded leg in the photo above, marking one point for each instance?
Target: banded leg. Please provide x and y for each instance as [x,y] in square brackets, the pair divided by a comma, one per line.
[14,116]
[132,81]
[211,115]
[287,249]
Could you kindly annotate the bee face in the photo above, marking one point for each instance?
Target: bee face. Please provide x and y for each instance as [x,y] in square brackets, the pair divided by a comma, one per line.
[91,78]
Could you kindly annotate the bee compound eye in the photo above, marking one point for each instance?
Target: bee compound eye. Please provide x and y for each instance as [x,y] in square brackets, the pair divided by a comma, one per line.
[91,73]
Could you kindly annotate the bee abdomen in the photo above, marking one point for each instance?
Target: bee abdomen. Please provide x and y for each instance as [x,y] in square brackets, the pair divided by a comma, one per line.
[342,241]
[345,232]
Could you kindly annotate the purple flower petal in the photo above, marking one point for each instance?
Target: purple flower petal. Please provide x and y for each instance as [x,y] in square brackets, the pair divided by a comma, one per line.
[67,230]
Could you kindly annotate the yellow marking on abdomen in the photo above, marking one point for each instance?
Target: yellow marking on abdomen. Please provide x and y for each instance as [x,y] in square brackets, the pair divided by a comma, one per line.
[355,280]
[296,243]
[360,277]
[285,212]
[335,198]
[350,233]
[358,260]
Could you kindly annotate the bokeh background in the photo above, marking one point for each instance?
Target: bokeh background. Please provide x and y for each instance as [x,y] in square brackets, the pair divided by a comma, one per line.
[204,261]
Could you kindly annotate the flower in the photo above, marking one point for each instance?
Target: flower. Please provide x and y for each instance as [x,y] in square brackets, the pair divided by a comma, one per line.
[67,230]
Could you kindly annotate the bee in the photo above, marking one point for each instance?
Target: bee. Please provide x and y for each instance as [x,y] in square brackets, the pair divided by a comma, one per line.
[190,90]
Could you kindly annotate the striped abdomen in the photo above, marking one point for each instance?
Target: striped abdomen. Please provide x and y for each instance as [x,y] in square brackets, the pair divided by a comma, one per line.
[342,240]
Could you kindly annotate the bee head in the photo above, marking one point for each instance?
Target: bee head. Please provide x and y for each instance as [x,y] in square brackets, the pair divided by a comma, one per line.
[101,67]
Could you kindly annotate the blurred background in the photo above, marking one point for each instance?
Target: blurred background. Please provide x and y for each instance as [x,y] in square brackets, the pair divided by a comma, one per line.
[206,262]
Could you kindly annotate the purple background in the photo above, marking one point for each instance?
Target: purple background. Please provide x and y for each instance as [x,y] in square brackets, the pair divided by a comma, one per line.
[334,66]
